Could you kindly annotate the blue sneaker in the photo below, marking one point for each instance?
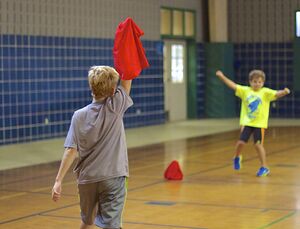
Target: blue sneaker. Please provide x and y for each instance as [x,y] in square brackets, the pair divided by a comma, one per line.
[262,172]
[237,162]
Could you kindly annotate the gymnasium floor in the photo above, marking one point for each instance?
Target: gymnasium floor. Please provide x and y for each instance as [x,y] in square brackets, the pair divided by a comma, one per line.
[211,194]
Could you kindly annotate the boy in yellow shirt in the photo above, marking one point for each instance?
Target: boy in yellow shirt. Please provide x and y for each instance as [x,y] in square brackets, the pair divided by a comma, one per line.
[254,114]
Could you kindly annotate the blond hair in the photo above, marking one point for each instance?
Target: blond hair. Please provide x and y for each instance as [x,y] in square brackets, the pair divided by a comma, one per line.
[102,81]
[257,74]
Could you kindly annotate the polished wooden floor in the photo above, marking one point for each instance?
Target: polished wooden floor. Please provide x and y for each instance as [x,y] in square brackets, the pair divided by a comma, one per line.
[211,195]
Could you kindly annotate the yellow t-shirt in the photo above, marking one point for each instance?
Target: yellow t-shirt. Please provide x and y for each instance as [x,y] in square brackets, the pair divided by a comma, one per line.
[255,105]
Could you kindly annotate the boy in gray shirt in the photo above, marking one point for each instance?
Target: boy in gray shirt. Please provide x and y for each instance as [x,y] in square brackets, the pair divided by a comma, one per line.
[97,134]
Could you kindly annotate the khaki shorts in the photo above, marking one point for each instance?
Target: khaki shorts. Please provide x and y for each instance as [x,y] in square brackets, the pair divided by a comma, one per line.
[102,203]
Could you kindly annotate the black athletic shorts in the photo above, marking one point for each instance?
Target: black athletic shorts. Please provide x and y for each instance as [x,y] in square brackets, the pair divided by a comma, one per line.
[258,134]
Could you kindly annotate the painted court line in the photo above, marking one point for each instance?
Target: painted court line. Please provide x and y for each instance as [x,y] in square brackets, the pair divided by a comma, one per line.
[168,203]
[278,220]
[37,213]
[22,193]
[164,225]
[134,223]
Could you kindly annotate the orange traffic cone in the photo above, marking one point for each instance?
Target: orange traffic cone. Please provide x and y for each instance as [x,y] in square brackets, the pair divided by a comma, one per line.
[173,172]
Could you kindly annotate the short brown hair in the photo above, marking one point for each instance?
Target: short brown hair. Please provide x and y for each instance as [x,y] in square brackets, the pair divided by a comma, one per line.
[102,79]
[257,74]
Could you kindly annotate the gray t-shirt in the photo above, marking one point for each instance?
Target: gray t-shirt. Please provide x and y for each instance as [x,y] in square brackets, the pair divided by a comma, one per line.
[97,132]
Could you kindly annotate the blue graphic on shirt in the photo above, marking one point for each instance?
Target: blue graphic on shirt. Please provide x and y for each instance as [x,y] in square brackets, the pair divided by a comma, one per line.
[253,104]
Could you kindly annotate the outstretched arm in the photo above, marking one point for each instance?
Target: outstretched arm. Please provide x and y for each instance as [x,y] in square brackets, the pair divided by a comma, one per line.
[126,84]
[227,81]
[67,160]
[282,93]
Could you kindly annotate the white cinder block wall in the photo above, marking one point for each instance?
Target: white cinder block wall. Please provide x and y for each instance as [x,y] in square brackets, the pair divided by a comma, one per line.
[86,18]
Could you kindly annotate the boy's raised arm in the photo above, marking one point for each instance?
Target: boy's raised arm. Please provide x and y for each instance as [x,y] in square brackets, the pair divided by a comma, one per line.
[227,81]
[126,84]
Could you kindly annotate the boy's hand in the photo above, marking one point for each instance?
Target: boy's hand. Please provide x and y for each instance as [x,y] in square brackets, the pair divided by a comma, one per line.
[56,191]
[287,91]
[219,73]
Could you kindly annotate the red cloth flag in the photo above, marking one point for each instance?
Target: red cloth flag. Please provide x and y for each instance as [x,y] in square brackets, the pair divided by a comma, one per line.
[173,172]
[129,54]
